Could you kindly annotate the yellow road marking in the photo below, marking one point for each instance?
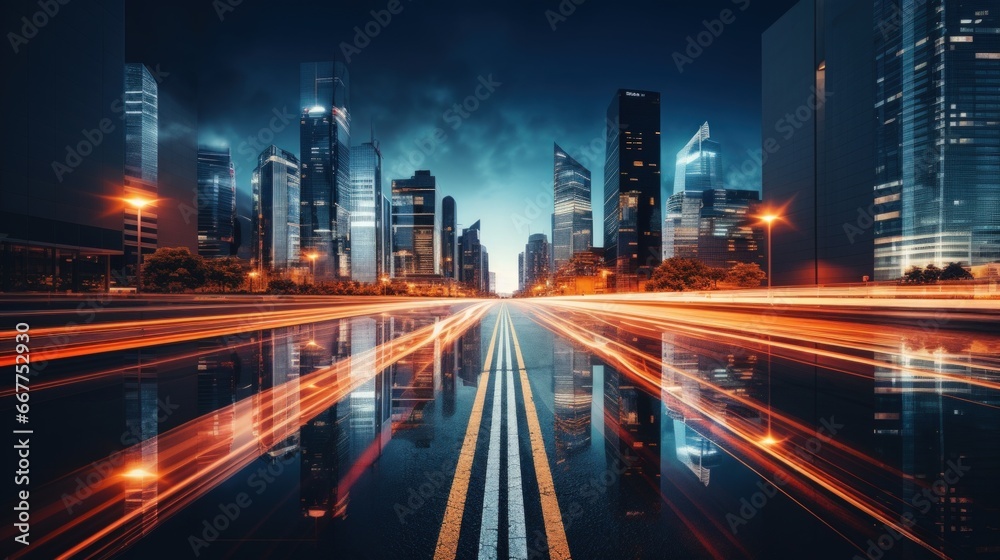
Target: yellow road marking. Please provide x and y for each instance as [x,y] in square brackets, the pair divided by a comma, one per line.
[555,533]
[451,526]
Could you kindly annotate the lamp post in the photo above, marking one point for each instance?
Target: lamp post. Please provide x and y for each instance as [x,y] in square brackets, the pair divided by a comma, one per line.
[769,220]
[138,203]
[253,277]
[312,266]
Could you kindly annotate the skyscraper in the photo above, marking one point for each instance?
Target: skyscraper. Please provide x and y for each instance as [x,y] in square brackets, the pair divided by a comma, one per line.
[325,153]
[449,237]
[474,260]
[632,213]
[699,164]
[818,160]
[141,153]
[937,140]
[216,202]
[385,237]
[60,237]
[717,226]
[366,199]
[276,198]
[536,260]
[573,220]
[415,235]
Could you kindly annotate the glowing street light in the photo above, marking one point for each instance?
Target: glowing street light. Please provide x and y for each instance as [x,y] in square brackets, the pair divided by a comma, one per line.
[253,277]
[769,219]
[138,203]
[312,266]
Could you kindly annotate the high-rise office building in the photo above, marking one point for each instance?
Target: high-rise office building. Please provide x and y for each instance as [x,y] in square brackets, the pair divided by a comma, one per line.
[276,198]
[61,213]
[632,213]
[520,271]
[385,237]
[366,199]
[937,141]
[717,226]
[449,237]
[141,101]
[415,230]
[818,160]
[573,220]
[474,265]
[325,153]
[699,164]
[216,202]
[536,261]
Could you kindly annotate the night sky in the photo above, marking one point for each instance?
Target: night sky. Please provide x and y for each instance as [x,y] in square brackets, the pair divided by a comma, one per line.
[554,86]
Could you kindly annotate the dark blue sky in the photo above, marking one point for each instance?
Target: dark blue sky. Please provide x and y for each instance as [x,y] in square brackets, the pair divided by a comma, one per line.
[554,86]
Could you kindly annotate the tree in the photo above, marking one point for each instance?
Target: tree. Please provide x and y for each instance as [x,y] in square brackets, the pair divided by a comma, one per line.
[226,273]
[931,274]
[954,271]
[678,274]
[282,286]
[914,275]
[173,270]
[746,275]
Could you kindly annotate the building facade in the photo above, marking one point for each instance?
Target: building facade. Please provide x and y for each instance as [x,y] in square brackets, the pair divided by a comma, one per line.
[719,227]
[276,207]
[632,212]
[474,265]
[449,238]
[937,185]
[325,154]
[699,164]
[818,159]
[366,198]
[415,229]
[141,99]
[573,220]
[536,261]
[216,203]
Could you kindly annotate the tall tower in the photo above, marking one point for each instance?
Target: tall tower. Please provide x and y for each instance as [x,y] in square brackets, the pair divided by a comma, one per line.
[276,207]
[632,212]
[216,202]
[573,220]
[141,156]
[416,237]
[325,155]
[449,234]
[937,186]
[366,187]
[699,164]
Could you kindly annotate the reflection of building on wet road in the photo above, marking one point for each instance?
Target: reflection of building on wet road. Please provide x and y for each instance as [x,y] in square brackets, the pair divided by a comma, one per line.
[415,380]
[470,356]
[572,385]
[218,371]
[141,429]
[925,426]
[279,409]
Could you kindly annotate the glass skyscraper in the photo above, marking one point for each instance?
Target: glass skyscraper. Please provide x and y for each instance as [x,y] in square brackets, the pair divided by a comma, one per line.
[632,213]
[415,235]
[937,189]
[474,264]
[449,237]
[141,107]
[366,198]
[699,164]
[573,221]
[216,202]
[325,154]
[536,260]
[276,198]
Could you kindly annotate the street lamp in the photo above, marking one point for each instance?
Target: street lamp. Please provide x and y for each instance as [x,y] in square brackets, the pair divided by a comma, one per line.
[253,277]
[312,266]
[138,203]
[385,284]
[769,220]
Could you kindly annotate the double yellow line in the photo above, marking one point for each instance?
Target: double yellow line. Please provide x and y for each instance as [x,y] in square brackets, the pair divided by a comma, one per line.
[451,526]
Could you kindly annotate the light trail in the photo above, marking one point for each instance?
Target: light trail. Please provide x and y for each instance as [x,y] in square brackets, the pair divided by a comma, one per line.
[848,477]
[187,468]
